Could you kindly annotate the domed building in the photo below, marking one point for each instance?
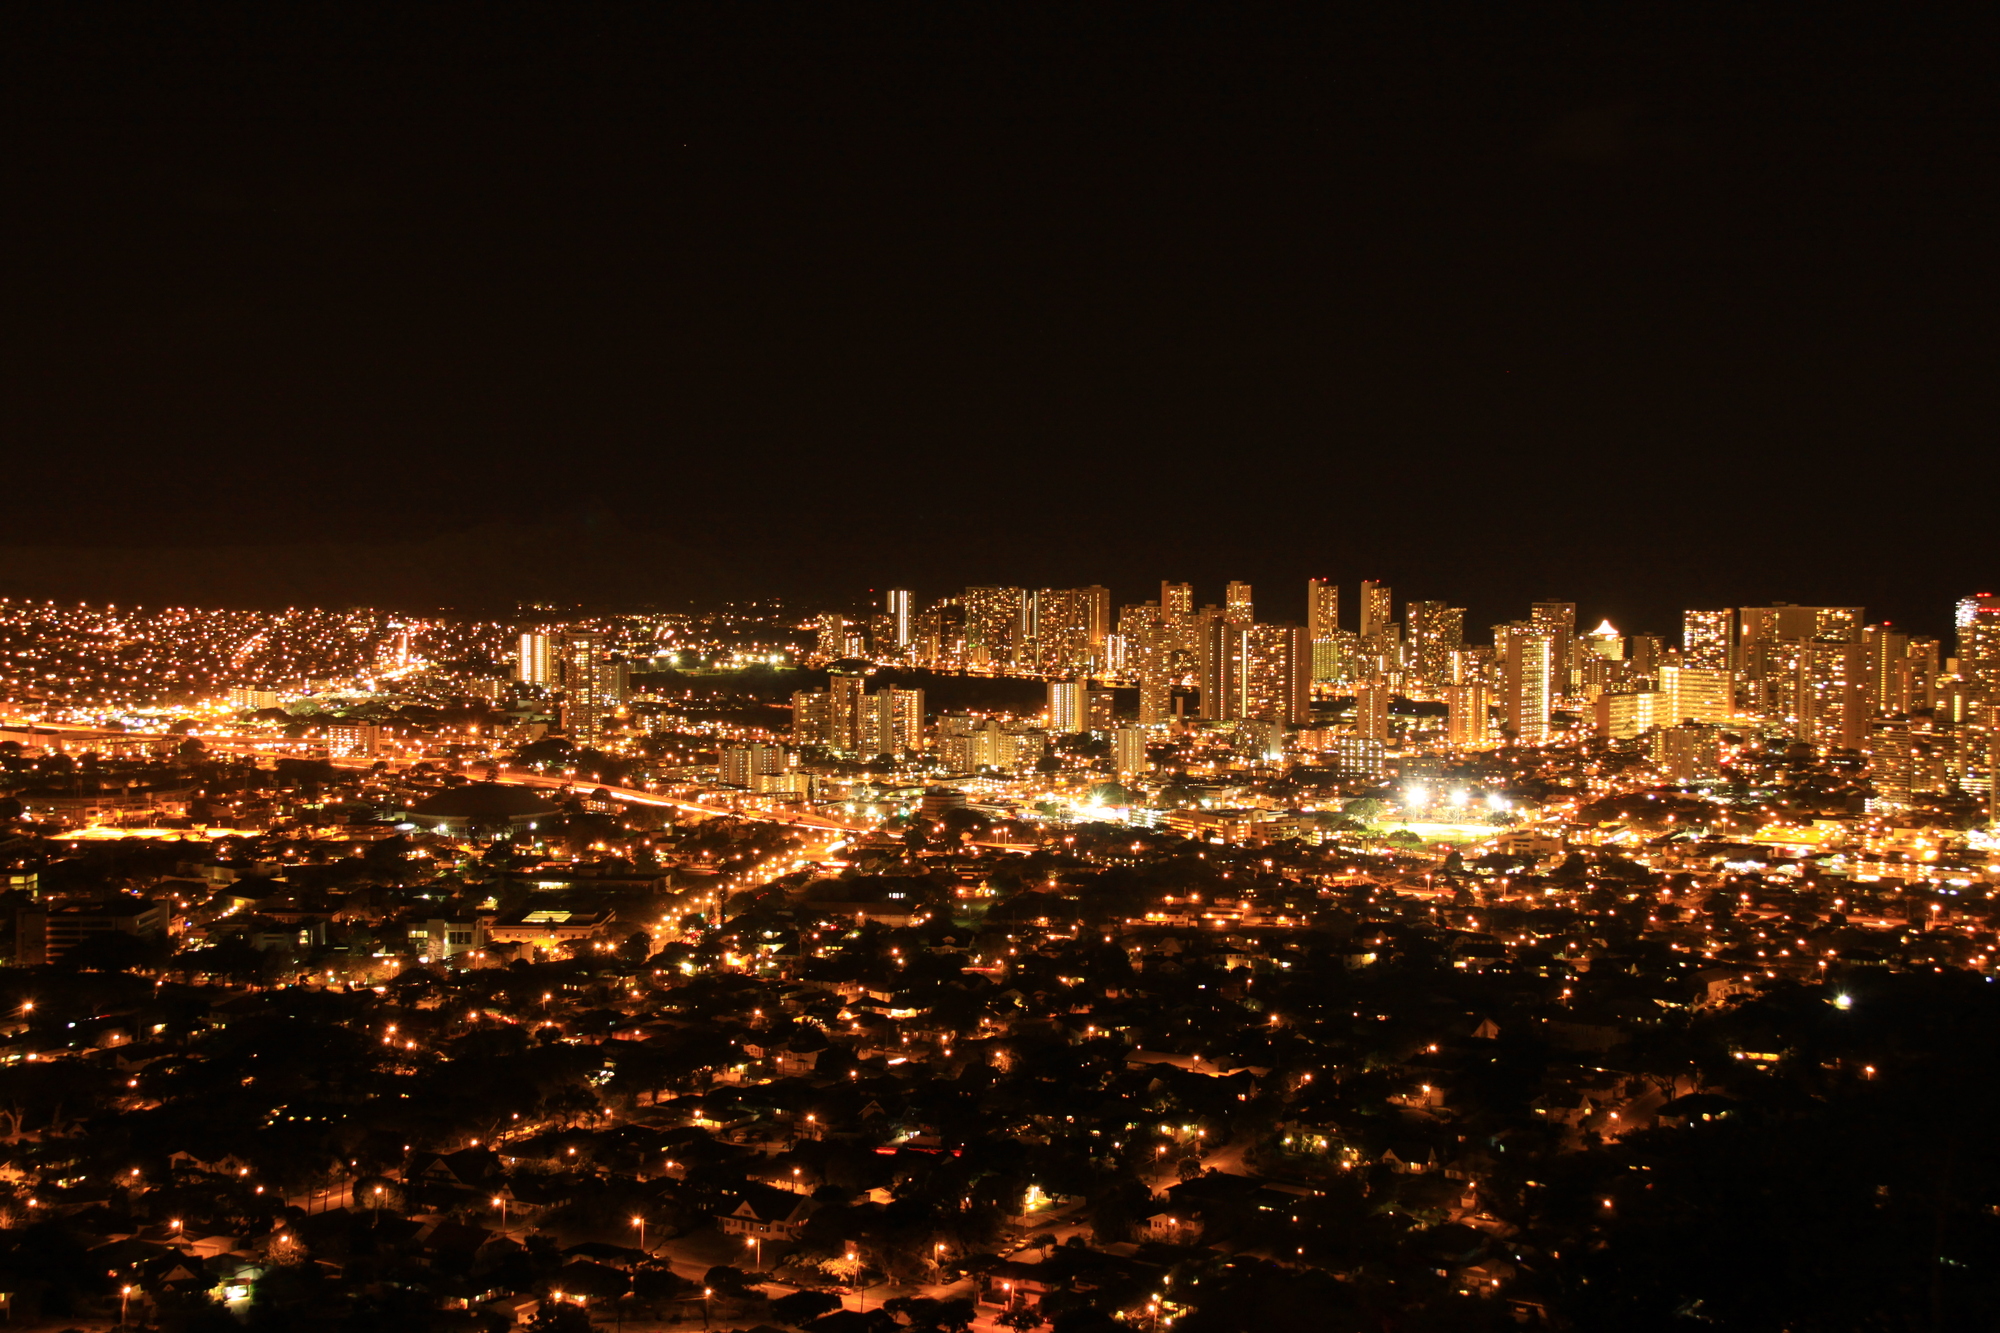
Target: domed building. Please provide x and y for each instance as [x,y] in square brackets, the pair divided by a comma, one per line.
[482,809]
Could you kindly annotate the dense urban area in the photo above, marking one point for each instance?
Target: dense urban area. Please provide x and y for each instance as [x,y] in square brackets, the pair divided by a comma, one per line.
[1011,960]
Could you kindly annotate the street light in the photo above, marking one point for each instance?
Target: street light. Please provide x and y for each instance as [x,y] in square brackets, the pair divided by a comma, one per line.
[124,1298]
[640,1223]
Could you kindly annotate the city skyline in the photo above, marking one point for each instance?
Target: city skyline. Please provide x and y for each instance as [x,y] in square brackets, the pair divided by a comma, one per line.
[980,668]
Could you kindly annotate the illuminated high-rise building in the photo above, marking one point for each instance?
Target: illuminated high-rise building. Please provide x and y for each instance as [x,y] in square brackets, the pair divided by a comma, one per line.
[741,765]
[940,634]
[1070,626]
[1558,618]
[352,739]
[1223,666]
[1528,681]
[1687,752]
[1776,664]
[1645,652]
[1069,706]
[1558,621]
[1885,650]
[1832,695]
[1437,630]
[1323,628]
[1322,608]
[1176,601]
[892,722]
[1978,621]
[1156,699]
[1237,607]
[1708,639]
[1278,674]
[811,714]
[1371,710]
[1606,642]
[584,709]
[1916,677]
[994,624]
[1783,622]
[899,605]
[1890,753]
[1376,607]
[845,723]
[614,683]
[1128,750]
[535,662]
[830,644]
[1625,716]
[1699,694]
[1468,716]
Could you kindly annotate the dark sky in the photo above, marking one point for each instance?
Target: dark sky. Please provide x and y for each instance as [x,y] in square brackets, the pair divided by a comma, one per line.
[1641,306]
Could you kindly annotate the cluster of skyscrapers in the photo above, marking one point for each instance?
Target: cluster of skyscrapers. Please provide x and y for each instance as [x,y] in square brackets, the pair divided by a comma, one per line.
[596,682]
[1820,674]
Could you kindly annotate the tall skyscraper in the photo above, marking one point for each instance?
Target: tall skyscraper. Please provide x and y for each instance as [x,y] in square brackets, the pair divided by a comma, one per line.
[1437,630]
[1645,652]
[536,665]
[1223,666]
[831,642]
[1278,674]
[1371,710]
[1606,642]
[1176,601]
[899,604]
[1322,608]
[1708,639]
[1376,606]
[1556,617]
[1069,706]
[1558,620]
[1468,719]
[1890,752]
[1699,694]
[811,715]
[1978,622]
[1070,628]
[1783,622]
[1834,708]
[892,722]
[845,722]
[1776,662]
[1128,751]
[1885,650]
[1527,687]
[994,625]
[741,765]
[1236,604]
[614,682]
[584,707]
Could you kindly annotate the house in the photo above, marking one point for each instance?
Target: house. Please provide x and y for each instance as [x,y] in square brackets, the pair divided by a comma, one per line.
[764,1212]
[1011,1284]
[518,1311]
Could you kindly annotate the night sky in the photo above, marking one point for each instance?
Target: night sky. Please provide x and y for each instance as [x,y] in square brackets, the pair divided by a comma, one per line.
[1639,306]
